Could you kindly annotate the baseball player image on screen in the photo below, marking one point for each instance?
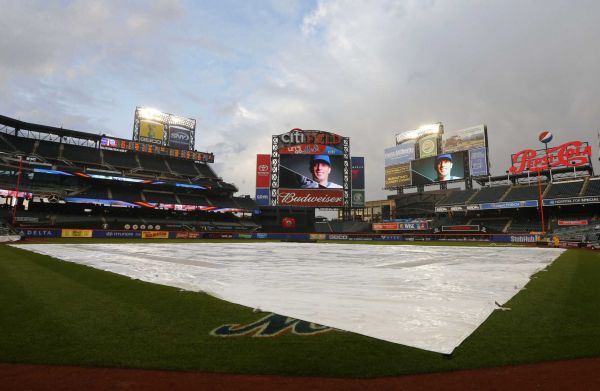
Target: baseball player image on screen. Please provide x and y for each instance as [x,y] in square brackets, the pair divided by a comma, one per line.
[320,168]
[443,167]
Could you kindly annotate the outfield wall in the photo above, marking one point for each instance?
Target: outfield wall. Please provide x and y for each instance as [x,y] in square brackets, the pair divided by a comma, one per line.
[130,234]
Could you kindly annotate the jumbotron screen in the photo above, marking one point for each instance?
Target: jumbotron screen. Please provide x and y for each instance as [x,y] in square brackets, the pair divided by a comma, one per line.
[310,168]
[441,168]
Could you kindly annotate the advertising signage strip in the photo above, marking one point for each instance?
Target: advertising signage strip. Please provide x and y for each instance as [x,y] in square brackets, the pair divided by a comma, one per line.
[510,204]
[358,172]
[399,154]
[466,139]
[572,222]
[310,149]
[572,201]
[128,145]
[428,146]
[385,226]
[570,154]
[417,226]
[462,228]
[310,197]
[262,197]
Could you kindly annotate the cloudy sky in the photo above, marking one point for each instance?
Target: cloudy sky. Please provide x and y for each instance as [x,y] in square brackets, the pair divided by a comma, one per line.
[249,69]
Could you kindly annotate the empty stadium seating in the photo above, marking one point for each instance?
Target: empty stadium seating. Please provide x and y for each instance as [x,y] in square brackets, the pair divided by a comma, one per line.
[48,149]
[488,194]
[120,159]
[564,190]
[183,167]
[192,199]
[457,197]
[495,224]
[593,188]
[523,193]
[80,154]
[22,144]
[162,198]
[153,163]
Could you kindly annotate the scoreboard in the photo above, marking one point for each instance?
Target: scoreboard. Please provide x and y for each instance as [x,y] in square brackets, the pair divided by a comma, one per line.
[128,145]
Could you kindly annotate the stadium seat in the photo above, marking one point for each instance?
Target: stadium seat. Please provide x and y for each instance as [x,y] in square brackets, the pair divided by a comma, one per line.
[120,159]
[564,190]
[48,149]
[593,188]
[523,193]
[81,154]
[457,197]
[489,194]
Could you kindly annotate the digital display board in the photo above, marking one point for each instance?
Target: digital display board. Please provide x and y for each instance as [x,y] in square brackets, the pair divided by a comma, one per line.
[415,160]
[310,168]
[441,168]
[152,126]
[128,145]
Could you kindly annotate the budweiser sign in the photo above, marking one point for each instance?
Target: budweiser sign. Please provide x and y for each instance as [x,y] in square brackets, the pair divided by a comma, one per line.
[571,154]
[312,197]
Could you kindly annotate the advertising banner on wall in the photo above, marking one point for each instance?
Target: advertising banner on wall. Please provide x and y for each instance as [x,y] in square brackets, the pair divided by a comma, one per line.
[151,132]
[311,197]
[428,146]
[571,154]
[358,172]
[397,176]
[465,139]
[262,196]
[441,168]
[181,138]
[263,170]
[399,154]
[358,198]
[478,162]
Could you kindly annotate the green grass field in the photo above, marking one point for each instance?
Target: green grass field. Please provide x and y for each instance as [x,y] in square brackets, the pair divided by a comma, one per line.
[55,312]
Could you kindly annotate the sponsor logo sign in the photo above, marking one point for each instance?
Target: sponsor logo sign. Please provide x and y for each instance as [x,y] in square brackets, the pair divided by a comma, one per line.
[358,198]
[398,175]
[180,138]
[572,222]
[399,154]
[76,233]
[151,132]
[337,237]
[571,154]
[460,228]
[385,226]
[391,237]
[40,233]
[510,204]
[117,234]
[155,234]
[478,162]
[465,139]
[262,197]
[299,136]
[263,170]
[358,172]
[310,197]
[317,236]
[428,146]
[571,201]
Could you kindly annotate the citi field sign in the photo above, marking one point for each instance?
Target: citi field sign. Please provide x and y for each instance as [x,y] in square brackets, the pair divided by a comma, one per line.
[299,136]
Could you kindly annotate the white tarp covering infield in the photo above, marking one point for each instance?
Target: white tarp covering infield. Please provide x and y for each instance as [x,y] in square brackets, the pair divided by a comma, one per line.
[427,297]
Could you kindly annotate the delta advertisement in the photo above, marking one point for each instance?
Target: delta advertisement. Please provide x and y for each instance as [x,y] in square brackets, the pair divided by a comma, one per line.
[441,168]
[399,154]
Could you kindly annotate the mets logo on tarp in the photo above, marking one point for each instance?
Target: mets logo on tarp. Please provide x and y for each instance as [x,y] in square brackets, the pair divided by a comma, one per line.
[271,325]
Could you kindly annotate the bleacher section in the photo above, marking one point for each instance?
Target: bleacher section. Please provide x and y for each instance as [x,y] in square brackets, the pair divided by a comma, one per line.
[162,198]
[223,202]
[192,199]
[593,188]
[183,167]
[205,170]
[22,144]
[457,197]
[524,226]
[523,193]
[95,193]
[48,149]
[564,189]
[153,163]
[125,194]
[120,159]
[489,194]
[79,154]
[495,224]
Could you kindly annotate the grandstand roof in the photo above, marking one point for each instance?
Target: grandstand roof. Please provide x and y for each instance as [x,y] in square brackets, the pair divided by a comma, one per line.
[18,124]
